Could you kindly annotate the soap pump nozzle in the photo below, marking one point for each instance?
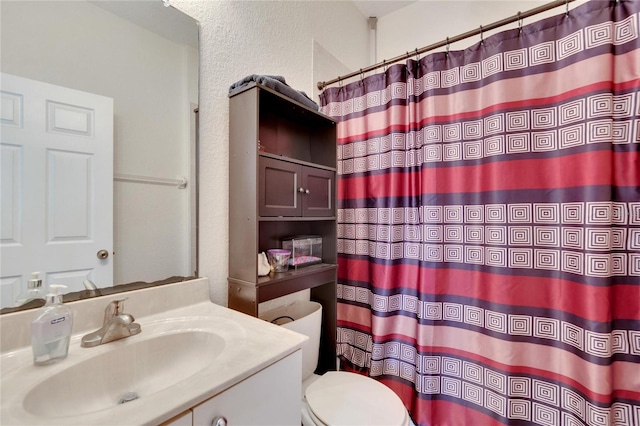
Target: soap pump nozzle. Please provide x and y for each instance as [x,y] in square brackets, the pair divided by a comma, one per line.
[35,280]
[54,297]
[33,291]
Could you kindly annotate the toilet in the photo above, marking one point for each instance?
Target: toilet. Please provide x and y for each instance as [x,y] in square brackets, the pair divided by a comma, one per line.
[337,397]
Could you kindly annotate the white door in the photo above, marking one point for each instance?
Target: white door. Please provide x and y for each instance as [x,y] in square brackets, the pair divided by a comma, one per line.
[56,151]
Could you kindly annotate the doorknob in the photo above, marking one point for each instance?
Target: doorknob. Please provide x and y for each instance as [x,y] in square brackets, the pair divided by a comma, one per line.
[219,421]
[102,254]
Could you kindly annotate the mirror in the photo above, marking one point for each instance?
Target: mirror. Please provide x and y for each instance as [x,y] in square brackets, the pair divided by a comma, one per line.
[144,57]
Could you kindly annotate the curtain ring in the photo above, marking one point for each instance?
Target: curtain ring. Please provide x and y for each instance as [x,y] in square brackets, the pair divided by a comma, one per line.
[481,35]
[361,76]
[566,4]
[384,64]
[447,45]
[417,55]
[519,22]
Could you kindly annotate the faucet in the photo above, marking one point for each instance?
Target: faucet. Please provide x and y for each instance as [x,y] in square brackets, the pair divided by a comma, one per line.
[117,325]
[89,285]
[91,288]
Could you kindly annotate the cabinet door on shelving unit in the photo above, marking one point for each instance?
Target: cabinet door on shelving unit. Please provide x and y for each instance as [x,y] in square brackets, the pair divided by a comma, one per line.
[279,184]
[319,189]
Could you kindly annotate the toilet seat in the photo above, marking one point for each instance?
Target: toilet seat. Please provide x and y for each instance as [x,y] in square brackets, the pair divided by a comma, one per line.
[341,398]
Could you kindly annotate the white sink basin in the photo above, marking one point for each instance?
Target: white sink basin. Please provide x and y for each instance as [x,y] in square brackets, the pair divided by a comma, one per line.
[143,367]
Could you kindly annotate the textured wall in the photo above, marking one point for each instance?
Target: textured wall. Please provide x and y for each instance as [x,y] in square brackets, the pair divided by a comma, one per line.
[239,38]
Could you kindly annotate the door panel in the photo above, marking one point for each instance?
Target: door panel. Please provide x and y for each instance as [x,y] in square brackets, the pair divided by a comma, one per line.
[69,119]
[278,192]
[319,188]
[10,173]
[69,196]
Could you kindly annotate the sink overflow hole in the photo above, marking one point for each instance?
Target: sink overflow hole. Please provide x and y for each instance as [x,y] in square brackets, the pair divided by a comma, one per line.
[128,397]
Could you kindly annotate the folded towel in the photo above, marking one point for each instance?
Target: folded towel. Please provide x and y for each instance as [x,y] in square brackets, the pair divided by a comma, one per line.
[277,83]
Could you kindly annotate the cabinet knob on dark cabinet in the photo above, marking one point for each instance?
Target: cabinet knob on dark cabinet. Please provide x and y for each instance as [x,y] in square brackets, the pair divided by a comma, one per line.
[306,191]
[301,190]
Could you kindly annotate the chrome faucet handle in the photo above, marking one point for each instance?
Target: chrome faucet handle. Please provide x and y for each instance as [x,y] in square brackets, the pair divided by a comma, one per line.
[114,308]
[118,305]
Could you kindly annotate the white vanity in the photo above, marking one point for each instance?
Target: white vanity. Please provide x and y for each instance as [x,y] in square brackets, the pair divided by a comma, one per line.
[194,363]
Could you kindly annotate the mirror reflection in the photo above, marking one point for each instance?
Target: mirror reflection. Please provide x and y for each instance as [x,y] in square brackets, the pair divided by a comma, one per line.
[98,145]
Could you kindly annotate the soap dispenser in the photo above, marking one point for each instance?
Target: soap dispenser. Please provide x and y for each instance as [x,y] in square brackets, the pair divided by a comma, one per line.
[34,291]
[51,330]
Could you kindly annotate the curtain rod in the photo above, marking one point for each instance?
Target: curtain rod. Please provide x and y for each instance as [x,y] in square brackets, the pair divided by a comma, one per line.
[518,17]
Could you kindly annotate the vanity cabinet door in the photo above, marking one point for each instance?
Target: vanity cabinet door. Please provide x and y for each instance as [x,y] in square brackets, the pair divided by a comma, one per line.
[269,397]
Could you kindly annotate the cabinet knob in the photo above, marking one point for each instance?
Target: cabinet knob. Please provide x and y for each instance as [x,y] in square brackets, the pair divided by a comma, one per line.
[219,421]
[301,190]
[306,191]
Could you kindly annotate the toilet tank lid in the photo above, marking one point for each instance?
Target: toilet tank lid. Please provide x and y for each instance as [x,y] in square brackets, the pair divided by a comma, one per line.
[349,398]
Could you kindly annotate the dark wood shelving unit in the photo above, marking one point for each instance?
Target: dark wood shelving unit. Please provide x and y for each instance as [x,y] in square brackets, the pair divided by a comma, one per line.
[282,171]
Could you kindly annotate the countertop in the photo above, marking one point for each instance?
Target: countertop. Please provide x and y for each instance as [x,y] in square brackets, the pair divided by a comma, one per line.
[250,345]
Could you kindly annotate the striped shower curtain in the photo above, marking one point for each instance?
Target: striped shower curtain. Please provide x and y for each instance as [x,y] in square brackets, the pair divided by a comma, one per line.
[489,225]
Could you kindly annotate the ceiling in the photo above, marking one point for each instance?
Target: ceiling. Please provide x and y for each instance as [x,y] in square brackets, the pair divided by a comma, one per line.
[379,8]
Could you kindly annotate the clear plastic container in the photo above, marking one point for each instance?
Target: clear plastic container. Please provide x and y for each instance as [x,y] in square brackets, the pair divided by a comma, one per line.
[51,330]
[305,250]
[279,259]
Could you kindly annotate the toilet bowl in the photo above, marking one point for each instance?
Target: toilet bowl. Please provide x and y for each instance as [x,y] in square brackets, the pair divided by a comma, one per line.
[337,397]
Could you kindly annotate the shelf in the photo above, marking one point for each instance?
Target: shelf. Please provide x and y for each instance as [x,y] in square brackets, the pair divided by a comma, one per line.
[285,103]
[294,274]
[295,161]
[245,296]
[295,218]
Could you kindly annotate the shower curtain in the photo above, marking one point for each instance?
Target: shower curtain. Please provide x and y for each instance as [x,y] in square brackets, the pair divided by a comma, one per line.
[489,225]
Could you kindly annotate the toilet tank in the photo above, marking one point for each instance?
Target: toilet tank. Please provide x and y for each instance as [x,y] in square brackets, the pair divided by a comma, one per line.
[304,318]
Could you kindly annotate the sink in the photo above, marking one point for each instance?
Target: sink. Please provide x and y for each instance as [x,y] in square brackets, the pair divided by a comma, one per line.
[182,357]
[138,368]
